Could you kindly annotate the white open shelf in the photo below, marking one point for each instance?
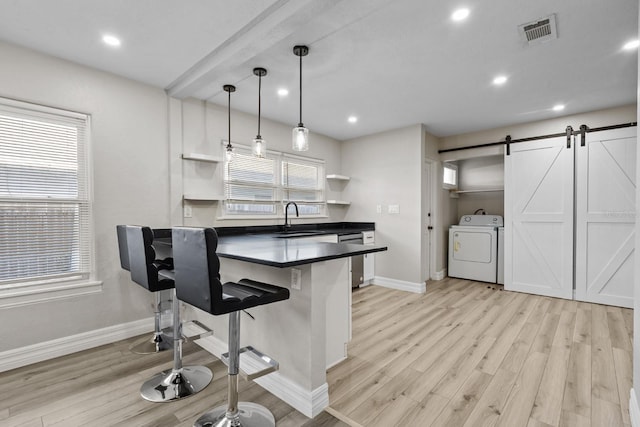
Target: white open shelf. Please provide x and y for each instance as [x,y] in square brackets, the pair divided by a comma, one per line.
[338,202]
[203,197]
[480,190]
[201,157]
[338,177]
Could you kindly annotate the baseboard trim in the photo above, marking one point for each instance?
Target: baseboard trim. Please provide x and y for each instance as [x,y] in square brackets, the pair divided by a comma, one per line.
[309,403]
[634,410]
[23,356]
[440,275]
[401,285]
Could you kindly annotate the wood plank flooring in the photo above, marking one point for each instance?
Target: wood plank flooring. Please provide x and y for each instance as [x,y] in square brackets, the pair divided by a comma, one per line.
[469,354]
[463,354]
[100,387]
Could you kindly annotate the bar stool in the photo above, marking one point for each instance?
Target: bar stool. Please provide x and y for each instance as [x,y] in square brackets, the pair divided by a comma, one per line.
[157,342]
[181,381]
[197,279]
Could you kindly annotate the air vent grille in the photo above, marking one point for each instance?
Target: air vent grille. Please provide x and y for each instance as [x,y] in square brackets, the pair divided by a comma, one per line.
[538,31]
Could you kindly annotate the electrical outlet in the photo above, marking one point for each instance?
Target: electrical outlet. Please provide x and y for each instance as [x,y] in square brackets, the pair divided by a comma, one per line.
[394,209]
[296,278]
[188,212]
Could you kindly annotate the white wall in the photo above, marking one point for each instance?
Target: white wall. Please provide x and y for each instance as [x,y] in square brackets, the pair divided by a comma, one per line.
[130,170]
[385,169]
[200,127]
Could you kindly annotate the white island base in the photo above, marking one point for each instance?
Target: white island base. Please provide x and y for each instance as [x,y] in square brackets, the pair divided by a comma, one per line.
[306,334]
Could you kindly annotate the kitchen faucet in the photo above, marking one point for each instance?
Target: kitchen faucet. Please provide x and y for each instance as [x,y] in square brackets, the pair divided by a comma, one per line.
[286,213]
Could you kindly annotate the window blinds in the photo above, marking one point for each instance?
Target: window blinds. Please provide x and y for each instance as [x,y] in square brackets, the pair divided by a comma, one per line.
[44,194]
[256,186]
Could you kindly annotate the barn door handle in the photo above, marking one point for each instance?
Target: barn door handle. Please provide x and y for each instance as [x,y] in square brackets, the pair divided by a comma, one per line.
[508,142]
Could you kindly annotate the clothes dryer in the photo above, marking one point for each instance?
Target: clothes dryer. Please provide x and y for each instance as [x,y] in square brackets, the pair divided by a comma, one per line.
[473,248]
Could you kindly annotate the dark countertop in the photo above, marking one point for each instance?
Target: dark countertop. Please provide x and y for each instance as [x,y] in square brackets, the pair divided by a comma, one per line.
[277,252]
[269,245]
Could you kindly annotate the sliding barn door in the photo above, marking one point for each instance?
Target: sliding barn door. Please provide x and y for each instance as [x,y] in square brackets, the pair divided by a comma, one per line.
[539,218]
[605,217]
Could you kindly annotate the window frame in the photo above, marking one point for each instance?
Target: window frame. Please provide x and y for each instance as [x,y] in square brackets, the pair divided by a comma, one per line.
[279,200]
[28,290]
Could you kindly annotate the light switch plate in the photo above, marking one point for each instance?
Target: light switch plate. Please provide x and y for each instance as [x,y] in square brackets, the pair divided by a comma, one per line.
[188,212]
[394,209]
[379,209]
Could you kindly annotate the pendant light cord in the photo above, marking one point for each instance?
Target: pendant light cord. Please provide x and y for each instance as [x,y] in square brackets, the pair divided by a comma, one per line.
[259,101]
[229,118]
[300,124]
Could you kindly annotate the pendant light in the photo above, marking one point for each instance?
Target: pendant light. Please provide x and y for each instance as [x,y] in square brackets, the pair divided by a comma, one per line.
[229,147]
[259,145]
[300,134]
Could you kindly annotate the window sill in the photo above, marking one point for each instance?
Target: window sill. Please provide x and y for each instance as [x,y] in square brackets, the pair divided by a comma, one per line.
[20,294]
[267,217]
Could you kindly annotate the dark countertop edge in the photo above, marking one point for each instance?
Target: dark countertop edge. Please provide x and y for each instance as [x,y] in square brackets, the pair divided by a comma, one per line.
[333,227]
[303,261]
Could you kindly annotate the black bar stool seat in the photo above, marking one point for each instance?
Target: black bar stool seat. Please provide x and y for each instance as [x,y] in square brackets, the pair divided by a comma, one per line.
[197,280]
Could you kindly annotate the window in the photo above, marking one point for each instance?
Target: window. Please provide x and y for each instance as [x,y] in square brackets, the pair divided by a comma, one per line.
[262,186]
[302,182]
[449,176]
[45,209]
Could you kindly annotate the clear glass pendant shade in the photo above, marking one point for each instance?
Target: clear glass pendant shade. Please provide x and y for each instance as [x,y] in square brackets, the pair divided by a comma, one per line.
[228,153]
[300,138]
[259,147]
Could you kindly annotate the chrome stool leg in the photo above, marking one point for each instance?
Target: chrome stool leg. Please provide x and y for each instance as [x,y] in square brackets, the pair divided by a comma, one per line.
[181,381]
[157,342]
[234,414]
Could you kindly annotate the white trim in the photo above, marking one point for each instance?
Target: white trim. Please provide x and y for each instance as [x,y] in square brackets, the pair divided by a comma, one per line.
[309,403]
[400,285]
[634,410]
[24,356]
[439,275]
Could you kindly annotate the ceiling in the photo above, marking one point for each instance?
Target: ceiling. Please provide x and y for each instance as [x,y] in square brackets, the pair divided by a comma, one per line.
[391,63]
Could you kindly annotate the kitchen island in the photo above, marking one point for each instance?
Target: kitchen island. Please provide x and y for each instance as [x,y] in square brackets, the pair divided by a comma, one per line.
[307,333]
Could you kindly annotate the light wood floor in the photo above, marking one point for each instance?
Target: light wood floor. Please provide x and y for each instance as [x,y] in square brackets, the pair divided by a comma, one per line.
[463,354]
[469,354]
[100,387]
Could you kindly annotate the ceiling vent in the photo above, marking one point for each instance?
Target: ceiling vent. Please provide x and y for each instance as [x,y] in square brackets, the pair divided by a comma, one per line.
[539,31]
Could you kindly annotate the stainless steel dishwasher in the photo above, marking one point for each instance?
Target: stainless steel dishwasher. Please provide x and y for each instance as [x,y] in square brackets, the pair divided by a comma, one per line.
[357,262]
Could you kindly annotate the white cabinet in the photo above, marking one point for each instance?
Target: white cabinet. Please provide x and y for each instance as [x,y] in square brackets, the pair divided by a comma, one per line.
[368,238]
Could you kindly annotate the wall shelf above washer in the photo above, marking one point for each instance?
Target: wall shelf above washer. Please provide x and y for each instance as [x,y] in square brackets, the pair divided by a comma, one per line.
[338,177]
[338,202]
[201,157]
[480,190]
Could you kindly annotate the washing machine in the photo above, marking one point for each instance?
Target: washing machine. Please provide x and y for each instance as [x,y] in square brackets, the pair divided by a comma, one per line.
[473,248]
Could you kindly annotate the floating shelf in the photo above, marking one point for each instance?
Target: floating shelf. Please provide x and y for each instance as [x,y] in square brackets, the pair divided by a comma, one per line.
[203,197]
[483,190]
[338,202]
[201,157]
[338,177]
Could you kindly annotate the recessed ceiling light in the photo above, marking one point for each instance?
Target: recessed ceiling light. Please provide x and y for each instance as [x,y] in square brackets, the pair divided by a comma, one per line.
[352,119]
[558,107]
[500,80]
[283,92]
[110,40]
[460,14]
[633,44]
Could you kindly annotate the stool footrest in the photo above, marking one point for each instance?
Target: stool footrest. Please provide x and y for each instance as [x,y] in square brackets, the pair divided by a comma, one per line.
[253,363]
[207,331]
